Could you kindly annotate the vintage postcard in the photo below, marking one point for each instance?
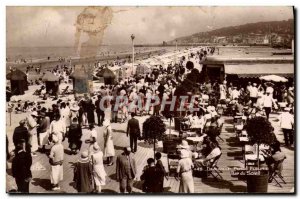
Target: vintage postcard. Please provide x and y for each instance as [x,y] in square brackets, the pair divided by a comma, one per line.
[150,100]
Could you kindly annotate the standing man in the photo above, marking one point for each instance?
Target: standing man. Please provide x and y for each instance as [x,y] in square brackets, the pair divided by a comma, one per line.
[253,93]
[58,128]
[286,122]
[126,170]
[99,111]
[43,131]
[21,167]
[133,129]
[56,158]
[21,133]
[268,101]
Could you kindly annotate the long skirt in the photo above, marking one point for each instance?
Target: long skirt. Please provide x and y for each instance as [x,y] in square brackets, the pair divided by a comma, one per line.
[44,138]
[57,174]
[99,175]
[109,150]
[33,140]
[186,183]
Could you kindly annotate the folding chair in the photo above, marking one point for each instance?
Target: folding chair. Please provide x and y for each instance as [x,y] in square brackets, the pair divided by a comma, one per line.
[213,169]
[276,173]
[173,164]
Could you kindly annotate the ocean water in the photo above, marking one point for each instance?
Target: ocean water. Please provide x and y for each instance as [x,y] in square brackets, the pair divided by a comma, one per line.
[34,53]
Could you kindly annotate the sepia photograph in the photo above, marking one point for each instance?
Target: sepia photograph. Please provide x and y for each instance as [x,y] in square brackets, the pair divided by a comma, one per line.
[150,100]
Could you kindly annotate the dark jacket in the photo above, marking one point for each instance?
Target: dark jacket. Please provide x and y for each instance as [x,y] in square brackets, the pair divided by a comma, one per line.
[21,165]
[20,132]
[150,179]
[133,127]
[83,176]
[161,173]
[122,165]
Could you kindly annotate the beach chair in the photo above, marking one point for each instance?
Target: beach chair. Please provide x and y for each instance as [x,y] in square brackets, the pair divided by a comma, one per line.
[173,161]
[276,173]
[213,169]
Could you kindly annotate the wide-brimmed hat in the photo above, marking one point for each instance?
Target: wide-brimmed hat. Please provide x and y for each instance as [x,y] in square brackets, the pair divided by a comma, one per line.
[184,154]
[96,147]
[55,138]
[22,122]
[184,145]
[84,155]
[74,107]
[34,113]
[106,123]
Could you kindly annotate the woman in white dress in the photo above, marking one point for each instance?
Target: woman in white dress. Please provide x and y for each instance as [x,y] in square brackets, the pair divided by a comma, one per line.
[32,129]
[109,149]
[99,173]
[184,169]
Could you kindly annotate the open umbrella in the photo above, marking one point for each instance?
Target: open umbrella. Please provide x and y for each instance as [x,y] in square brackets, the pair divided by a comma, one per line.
[16,74]
[274,78]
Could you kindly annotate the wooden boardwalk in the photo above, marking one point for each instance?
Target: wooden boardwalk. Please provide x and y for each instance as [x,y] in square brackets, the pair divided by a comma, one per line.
[230,148]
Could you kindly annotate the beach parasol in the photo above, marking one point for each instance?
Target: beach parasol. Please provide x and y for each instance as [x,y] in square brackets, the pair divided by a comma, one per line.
[106,73]
[16,74]
[274,78]
[50,77]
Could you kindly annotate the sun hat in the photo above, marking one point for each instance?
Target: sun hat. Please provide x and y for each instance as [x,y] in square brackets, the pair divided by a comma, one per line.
[34,113]
[54,138]
[184,145]
[96,147]
[84,155]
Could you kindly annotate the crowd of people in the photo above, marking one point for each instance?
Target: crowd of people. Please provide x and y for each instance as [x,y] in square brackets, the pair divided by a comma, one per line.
[45,128]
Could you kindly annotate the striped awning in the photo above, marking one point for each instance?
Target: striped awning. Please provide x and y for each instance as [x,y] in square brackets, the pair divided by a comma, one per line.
[258,70]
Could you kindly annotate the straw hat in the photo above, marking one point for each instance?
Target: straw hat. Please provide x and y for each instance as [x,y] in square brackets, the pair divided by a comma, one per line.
[84,155]
[22,122]
[34,113]
[184,145]
[96,147]
[184,154]
[54,138]
[106,122]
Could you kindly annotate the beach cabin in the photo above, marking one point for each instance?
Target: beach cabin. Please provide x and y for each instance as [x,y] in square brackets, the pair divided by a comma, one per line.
[18,81]
[80,80]
[51,82]
[108,75]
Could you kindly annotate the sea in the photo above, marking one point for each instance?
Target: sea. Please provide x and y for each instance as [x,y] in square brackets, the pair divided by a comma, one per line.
[41,53]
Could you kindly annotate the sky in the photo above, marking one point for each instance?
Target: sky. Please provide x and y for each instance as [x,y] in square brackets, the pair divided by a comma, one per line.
[54,26]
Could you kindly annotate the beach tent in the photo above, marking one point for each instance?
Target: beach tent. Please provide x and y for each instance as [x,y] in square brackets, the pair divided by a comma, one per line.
[117,70]
[80,80]
[18,80]
[142,69]
[52,83]
[108,75]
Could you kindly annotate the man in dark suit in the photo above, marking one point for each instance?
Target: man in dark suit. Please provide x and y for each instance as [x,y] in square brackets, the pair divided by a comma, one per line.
[126,170]
[133,129]
[21,167]
[99,111]
[21,133]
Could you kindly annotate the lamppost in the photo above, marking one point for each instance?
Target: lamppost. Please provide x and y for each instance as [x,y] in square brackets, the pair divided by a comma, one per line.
[132,39]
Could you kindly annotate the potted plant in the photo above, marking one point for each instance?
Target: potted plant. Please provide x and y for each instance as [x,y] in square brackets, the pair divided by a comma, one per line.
[153,129]
[260,131]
